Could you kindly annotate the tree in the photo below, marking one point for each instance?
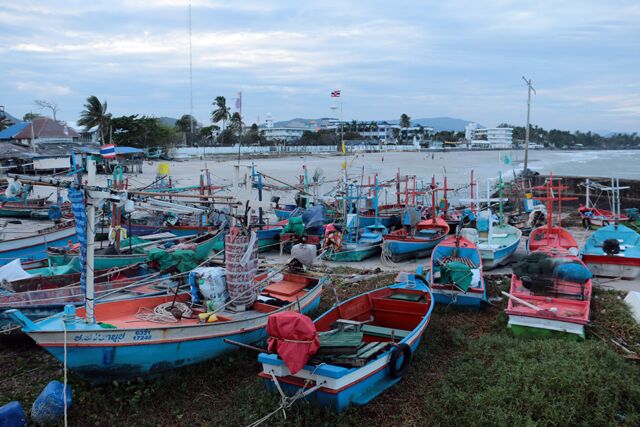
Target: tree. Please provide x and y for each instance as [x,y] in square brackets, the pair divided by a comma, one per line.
[4,122]
[252,136]
[235,123]
[95,114]
[222,112]
[143,132]
[48,105]
[189,126]
[208,133]
[405,122]
[30,116]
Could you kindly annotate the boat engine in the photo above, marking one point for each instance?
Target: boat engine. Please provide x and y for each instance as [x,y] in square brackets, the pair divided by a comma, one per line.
[611,246]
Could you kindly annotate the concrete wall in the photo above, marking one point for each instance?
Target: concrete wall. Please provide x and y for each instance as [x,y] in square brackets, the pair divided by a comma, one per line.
[186,152]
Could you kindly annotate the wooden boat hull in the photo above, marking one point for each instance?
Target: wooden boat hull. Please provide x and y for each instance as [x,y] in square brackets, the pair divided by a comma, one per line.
[563,310]
[349,386]
[268,239]
[35,246]
[495,255]
[612,266]
[178,230]
[557,237]
[353,253]
[451,295]
[101,354]
[103,262]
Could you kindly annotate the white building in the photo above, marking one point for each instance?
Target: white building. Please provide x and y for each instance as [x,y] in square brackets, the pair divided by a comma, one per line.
[282,134]
[488,137]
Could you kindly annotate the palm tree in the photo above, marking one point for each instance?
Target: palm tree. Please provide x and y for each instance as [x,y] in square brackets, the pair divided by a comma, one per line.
[222,113]
[405,122]
[95,114]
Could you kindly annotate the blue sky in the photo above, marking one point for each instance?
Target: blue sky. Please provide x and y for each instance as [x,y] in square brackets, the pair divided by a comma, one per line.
[461,59]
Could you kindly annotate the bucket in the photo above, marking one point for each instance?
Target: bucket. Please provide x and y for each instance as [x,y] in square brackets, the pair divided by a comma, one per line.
[241,259]
[48,409]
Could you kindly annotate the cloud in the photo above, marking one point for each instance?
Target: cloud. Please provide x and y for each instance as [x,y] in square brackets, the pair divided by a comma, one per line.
[449,58]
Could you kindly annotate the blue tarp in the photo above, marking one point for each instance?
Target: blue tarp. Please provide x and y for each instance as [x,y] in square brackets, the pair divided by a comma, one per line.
[13,130]
[76,197]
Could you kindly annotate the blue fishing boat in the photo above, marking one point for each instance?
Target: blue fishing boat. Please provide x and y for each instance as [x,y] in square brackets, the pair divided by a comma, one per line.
[416,240]
[455,276]
[354,242]
[364,347]
[122,345]
[613,251]
[35,246]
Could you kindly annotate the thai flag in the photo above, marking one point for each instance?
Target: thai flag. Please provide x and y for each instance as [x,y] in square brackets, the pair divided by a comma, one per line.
[108,151]
[335,94]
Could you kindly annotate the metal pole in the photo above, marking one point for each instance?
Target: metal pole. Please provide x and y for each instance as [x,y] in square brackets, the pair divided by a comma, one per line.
[526,137]
[91,218]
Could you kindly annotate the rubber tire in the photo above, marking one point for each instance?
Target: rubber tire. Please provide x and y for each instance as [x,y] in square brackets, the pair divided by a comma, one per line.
[586,223]
[400,349]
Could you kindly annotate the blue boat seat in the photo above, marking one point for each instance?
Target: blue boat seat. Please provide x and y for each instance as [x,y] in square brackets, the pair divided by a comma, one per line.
[380,331]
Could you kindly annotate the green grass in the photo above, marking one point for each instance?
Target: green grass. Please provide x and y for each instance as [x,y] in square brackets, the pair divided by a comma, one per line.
[469,370]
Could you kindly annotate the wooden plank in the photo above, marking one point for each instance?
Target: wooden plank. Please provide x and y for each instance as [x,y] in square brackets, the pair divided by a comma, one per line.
[384,332]
[375,349]
[406,297]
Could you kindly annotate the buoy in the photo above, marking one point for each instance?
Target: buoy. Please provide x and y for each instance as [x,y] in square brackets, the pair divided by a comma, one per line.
[48,409]
[12,415]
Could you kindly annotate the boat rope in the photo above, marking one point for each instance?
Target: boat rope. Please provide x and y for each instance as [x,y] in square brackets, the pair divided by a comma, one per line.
[287,402]
[385,255]
[161,313]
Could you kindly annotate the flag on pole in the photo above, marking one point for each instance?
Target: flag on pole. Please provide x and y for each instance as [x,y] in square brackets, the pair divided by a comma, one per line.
[335,94]
[108,151]
[239,100]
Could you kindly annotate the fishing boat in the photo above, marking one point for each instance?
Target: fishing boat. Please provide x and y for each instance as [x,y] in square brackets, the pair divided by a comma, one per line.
[613,251]
[354,242]
[593,217]
[496,242]
[122,345]
[137,253]
[416,241]
[550,294]
[550,235]
[35,246]
[268,238]
[43,296]
[360,245]
[455,276]
[365,347]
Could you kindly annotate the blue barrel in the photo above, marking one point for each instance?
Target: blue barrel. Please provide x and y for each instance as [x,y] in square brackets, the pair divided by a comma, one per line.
[12,415]
[48,409]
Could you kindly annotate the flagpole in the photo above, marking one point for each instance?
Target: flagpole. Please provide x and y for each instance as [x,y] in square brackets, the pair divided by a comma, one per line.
[240,111]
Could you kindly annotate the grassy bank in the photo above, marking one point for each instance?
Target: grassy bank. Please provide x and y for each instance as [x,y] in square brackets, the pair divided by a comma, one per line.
[468,370]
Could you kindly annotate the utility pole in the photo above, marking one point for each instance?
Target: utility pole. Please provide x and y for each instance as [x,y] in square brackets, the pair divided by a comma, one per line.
[526,134]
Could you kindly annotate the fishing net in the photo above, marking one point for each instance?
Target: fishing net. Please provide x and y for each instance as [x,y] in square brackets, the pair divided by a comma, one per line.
[458,273]
[295,226]
[181,260]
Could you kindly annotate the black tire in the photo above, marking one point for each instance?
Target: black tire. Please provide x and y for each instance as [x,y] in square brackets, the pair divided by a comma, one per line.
[586,223]
[402,349]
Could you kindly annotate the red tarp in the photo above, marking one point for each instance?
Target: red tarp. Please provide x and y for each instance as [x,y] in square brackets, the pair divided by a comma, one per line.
[294,337]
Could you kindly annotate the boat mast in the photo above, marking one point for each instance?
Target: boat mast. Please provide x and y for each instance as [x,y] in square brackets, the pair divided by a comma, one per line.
[587,194]
[91,223]
[434,211]
[500,195]
[471,186]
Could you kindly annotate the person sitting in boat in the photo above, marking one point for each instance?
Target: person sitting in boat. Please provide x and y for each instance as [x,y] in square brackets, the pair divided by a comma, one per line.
[332,238]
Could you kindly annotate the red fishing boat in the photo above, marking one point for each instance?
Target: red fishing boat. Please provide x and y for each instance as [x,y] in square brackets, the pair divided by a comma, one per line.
[550,235]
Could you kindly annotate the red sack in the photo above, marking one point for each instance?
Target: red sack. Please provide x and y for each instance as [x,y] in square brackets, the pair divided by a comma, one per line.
[294,337]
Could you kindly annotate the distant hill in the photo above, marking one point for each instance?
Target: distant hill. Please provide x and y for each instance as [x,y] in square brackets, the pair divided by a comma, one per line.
[169,121]
[438,123]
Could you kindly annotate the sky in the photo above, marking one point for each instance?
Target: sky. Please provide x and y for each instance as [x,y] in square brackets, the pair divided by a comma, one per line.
[462,59]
